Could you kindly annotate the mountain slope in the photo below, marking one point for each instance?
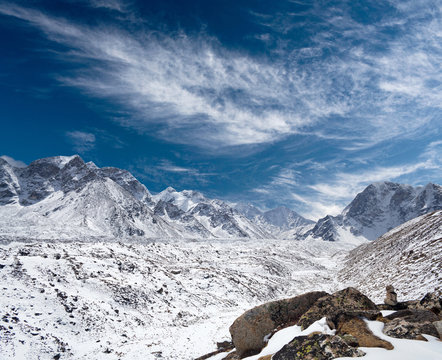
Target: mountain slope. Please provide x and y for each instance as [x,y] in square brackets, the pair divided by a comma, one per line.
[409,257]
[378,209]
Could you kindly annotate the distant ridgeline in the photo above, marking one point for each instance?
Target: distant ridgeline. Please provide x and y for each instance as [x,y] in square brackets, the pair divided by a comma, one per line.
[63,197]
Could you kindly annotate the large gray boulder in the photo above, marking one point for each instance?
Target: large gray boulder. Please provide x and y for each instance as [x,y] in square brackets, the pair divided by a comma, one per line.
[249,331]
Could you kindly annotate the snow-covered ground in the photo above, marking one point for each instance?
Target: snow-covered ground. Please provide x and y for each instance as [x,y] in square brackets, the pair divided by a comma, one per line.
[162,299]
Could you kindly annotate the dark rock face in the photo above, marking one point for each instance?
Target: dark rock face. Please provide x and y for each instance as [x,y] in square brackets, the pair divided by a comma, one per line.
[249,330]
[316,347]
[220,217]
[347,299]
[411,324]
[326,227]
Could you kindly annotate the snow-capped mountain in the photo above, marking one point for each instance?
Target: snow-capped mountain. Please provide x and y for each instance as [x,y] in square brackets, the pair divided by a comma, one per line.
[378,209]
[281,221]
[409,257]
[193,210]
[64,197]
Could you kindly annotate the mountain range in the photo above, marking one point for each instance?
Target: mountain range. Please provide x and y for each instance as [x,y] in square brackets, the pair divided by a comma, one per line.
[63,197]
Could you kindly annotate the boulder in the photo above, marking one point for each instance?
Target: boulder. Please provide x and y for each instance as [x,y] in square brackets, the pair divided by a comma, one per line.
[411,324]
[249,331]
[391,296]
[351,323]
[431,301]
[317,347]
[347,299]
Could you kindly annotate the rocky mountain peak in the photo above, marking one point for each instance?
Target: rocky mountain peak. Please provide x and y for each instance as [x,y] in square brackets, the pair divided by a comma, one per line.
[378,208]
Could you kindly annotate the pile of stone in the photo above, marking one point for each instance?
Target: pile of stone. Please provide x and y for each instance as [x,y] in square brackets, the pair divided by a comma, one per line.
[344,311]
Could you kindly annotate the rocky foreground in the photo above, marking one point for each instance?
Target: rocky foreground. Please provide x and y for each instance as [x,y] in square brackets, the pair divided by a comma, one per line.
[346,313]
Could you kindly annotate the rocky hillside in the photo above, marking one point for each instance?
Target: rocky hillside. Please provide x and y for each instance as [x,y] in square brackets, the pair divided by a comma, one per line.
[408,255]
[378,209]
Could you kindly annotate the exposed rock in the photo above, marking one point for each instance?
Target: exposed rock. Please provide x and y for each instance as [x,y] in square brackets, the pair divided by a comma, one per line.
[232,356]
[347,299]
[350,323]
[391,296]
[399,306]
[431,301]
[411,324]
[266,357]
[334,319]
[249,330]
[438,326]
[225,345]
[318,347]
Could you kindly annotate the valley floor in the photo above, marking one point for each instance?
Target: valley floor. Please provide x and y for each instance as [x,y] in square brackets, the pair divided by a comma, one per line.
[162,299]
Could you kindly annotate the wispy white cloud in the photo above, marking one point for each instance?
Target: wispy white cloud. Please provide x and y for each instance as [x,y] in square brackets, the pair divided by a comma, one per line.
[13,162]
[81,141]
[109,4]
[314,208]
[166,165]
[192,90]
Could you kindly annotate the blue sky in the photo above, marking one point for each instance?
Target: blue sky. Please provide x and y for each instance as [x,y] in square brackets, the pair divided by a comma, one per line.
[297,103]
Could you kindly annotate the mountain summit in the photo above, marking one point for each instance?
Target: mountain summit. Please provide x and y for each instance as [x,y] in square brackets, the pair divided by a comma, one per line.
[379,208]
